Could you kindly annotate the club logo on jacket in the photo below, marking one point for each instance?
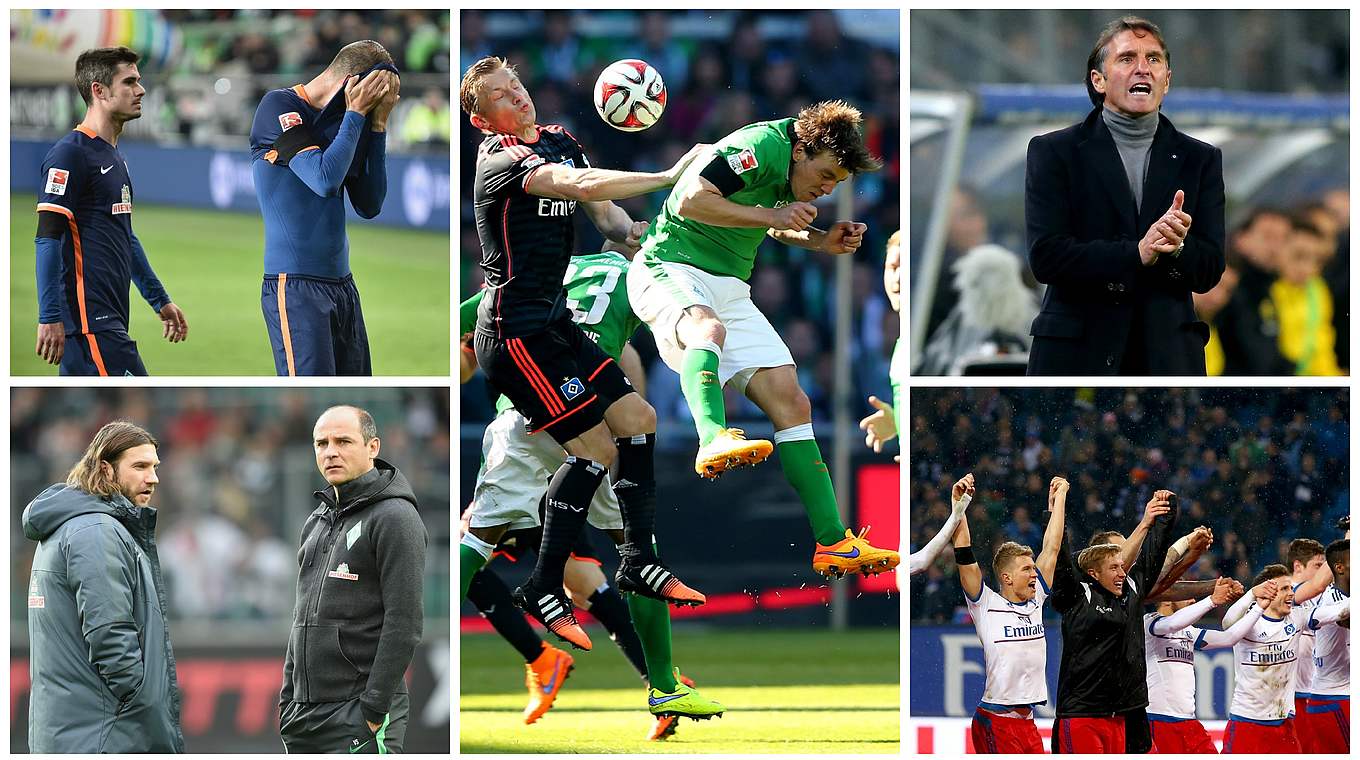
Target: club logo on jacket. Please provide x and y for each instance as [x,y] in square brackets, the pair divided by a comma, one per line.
[353,534]
[342,572]
[36,601]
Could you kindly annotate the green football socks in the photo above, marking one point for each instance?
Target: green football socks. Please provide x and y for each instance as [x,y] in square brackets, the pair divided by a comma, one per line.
[469,562]
[703,392]
[807,473]
[652,621]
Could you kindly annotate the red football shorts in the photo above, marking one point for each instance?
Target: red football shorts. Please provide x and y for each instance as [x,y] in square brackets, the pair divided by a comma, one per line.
[1301,725]
[1089,735]
[1181,737]
[998,734]
[1327,723]
[1246,738]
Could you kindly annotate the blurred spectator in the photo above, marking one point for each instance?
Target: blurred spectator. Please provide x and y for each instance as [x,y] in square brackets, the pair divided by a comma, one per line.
[1303,303]
[428,120]
[1224,451]
[1248,325]
[990,315]
[1207,307]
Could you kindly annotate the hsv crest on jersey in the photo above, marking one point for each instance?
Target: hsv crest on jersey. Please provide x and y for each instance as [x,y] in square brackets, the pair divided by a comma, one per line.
[743,162]
[289,120]
[56,181]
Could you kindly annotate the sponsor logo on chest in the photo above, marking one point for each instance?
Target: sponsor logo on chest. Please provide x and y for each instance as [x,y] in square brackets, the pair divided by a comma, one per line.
[124,207]
[36,600]
[341,572]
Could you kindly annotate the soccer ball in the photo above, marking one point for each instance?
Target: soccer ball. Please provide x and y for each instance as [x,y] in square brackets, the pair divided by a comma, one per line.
[629,95]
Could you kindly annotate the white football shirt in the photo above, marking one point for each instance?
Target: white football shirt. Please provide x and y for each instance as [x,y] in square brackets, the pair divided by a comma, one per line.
[1170,669]
[1331,648]
[1013,644]
[1266,661]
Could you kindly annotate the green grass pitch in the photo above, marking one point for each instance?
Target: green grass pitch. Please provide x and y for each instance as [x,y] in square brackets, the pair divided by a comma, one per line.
[212,263]
[786,692]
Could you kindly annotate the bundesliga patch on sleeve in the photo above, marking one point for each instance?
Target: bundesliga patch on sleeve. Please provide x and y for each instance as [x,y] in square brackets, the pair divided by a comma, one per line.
[56,181]
[743,162]
[289,120]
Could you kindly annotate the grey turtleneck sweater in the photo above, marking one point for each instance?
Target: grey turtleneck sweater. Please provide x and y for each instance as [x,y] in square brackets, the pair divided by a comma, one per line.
[1133,137]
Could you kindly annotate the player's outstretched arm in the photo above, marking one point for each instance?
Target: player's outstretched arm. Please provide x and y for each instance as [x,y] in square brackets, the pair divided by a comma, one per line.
[615,223]
[1324,614]
[970,574]
[1133,546]
[1322,578]
[550,180]
[1184,618]
[1234,633]
[961,496]
[1053,533]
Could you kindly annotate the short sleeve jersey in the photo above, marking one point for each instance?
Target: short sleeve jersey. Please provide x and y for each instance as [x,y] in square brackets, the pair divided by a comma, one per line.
[526,239]
[1266,658]
[1171,668]
[760,155]
[1013,645]
[1331,655]
[86,180]
[597,297]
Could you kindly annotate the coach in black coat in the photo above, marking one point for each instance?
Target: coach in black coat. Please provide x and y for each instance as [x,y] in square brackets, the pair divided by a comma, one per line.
[1124,216]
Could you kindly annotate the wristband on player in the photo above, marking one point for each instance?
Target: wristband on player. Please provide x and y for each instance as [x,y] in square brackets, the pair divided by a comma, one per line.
[963,555]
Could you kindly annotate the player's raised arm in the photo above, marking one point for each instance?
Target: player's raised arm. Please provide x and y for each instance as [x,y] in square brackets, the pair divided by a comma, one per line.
[960,497]
[1149,564]
[1133,546]
[1322,578]
[1053,533]
[1187,616]
[970,575]
[1066,588]
[1181,557]
[368,189]
[550,180]
[1235,632]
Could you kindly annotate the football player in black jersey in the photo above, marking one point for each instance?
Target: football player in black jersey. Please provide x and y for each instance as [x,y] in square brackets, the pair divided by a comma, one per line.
[529,180]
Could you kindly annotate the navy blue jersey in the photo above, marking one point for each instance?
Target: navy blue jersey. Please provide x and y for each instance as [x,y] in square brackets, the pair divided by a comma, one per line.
[305,159]
[526,240]
[86,180]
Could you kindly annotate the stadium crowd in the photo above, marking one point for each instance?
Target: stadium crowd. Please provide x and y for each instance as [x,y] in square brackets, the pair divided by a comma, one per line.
[237,474]
[723,71]
[1258,466]
[1282,306]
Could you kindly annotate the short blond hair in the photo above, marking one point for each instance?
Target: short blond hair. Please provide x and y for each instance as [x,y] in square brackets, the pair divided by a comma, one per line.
[471,88]
[1006,554]
[1092,557]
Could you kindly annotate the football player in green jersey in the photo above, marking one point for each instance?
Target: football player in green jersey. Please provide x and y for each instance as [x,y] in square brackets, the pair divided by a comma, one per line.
[688,284]
[517,467]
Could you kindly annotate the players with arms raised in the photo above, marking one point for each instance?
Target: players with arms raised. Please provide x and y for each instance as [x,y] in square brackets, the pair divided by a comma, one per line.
[1263,691]
[689,286]
[529,180]
[1011,627]
[1102,675]
[1169,648]
[87,253]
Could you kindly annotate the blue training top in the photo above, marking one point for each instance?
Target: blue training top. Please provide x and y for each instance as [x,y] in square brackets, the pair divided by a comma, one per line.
[304,159]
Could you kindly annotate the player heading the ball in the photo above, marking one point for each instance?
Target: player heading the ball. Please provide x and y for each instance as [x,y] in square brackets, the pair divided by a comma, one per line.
[688,284]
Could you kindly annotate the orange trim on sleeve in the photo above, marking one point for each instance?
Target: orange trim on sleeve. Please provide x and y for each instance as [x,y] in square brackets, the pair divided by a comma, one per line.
[283,326]
[66,212]
[309,147]
[94,351]
[80,274]
[271,155]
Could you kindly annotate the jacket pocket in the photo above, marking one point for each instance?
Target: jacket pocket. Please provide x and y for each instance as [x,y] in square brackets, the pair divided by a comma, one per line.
[327,672]
[1049,325]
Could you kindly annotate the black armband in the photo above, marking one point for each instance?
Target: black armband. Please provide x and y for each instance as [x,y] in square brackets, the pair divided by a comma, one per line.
[720,173]
[292,142]
[51,225]
[963,555]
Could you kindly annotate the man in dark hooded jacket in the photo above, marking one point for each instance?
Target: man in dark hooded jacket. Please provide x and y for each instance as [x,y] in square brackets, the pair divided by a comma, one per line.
[101,664]
[358,616]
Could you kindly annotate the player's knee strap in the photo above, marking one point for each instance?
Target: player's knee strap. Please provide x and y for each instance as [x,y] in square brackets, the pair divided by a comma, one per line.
[796,433]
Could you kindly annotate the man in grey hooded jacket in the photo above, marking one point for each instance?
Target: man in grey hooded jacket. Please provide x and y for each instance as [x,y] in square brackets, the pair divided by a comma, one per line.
[359,615]
[101,664]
